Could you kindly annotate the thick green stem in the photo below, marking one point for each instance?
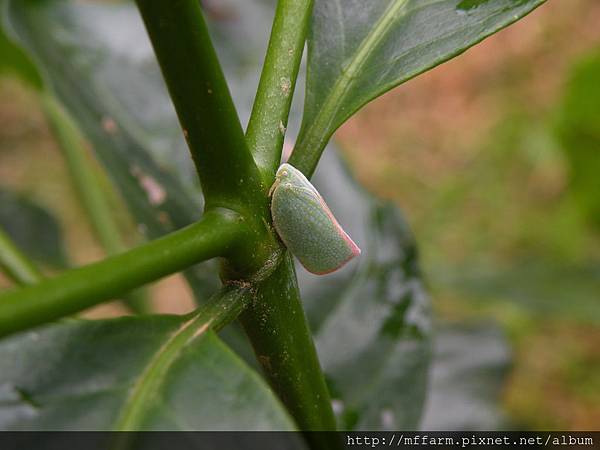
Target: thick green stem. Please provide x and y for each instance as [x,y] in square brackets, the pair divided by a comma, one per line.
[217,234]
[15,264]
[88,187]
[228,174]
[277,327]
[268,121]
[227,171]
[275,322]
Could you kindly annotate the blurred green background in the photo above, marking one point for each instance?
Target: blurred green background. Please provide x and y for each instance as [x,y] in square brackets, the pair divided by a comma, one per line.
[495,159]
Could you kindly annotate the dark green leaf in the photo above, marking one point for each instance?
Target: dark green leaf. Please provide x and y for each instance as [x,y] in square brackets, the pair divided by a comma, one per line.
[80,374]
[372,317]
[361,49]
[33,229]
[470,366]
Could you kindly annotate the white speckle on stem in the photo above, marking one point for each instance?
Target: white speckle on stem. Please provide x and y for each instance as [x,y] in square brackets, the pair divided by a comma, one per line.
[286,86]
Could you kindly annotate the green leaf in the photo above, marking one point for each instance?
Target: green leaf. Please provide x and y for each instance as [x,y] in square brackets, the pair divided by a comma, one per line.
[83,375]
[371,318]
[33,229]
[358,50]
[469,370]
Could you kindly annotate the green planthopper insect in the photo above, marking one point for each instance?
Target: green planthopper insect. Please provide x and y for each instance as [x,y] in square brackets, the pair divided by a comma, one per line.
[306,225]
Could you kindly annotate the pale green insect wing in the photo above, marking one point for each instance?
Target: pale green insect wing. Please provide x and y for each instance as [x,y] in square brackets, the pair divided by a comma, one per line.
[307,226]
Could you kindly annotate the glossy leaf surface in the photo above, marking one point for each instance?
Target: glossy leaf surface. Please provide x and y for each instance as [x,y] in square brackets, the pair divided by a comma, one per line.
[80,375]
[360,49]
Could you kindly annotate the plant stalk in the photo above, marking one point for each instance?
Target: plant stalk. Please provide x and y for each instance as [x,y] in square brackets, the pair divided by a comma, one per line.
[228,174]
[275,321]
[277,327]
[269,118]
[15,264]
[216,234]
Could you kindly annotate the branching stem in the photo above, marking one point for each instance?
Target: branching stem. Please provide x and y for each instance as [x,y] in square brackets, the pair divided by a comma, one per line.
[269,118]
[217,234]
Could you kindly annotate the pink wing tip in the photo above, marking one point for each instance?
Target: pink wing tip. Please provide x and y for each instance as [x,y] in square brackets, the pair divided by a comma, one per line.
[355,249]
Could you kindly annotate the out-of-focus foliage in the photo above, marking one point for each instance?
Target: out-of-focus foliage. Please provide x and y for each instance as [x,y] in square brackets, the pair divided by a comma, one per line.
[33,229]
[15,60]
[579,134]
[536,287]
[469,370]
[371,318]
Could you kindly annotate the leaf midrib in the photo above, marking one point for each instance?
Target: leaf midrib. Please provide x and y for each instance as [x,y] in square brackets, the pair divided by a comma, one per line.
[317,135]
[154,374]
